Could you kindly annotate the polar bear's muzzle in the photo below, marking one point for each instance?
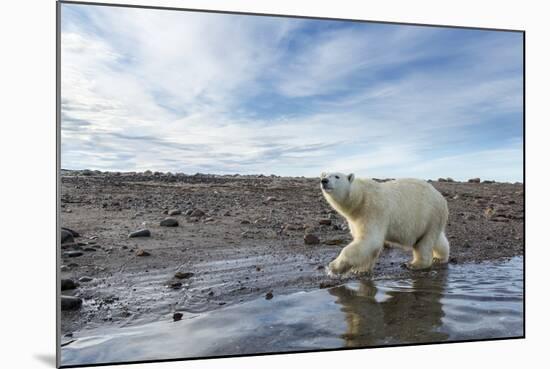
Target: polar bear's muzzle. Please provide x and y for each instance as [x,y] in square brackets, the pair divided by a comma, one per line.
[325,184]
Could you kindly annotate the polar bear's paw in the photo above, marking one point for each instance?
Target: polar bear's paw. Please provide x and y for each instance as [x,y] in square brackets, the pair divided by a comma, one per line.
[338,266]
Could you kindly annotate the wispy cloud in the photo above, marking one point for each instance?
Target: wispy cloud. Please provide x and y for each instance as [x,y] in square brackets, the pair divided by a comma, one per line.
[178,91]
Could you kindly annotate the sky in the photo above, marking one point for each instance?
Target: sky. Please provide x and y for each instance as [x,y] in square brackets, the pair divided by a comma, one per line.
[219,93]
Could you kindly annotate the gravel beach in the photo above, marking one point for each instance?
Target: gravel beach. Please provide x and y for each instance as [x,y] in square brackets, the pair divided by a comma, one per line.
[142,247]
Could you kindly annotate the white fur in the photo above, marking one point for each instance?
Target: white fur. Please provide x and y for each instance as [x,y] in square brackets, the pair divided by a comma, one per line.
[409,212]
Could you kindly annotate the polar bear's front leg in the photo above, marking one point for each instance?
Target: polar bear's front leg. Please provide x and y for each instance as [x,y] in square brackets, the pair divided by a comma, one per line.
[352,230]
[359,256]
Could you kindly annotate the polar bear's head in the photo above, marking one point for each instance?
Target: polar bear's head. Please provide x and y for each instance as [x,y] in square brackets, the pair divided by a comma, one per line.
[336,185]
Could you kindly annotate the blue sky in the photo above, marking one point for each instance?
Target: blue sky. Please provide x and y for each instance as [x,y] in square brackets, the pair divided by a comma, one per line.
[215,93]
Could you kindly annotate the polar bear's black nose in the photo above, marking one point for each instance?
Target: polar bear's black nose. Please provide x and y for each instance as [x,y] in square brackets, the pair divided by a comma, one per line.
[324,181]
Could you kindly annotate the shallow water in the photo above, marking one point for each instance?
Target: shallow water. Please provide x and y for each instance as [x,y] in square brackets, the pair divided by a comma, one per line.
[458,302]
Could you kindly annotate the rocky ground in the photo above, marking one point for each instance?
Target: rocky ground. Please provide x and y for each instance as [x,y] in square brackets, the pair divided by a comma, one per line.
[230,239]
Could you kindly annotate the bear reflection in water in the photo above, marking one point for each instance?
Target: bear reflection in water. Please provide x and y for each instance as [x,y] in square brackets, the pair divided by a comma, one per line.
[410,312]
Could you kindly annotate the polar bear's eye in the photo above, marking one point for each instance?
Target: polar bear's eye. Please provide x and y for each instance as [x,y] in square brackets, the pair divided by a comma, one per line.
[337,177]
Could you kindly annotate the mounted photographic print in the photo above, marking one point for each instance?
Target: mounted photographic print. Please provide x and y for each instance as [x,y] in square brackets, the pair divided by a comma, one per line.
[239,184]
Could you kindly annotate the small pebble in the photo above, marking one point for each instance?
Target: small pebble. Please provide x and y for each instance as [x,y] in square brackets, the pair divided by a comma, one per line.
[140,233]
[141,252]
[169,222]
[175,285]
[183,275]
[197,213]
[311,239]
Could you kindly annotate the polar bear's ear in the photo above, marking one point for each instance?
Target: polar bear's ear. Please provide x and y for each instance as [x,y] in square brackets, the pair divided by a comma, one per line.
[351,177]
[323,175]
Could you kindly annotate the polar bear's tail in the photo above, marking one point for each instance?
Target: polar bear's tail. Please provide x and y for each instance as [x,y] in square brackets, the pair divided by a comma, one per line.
[441,248]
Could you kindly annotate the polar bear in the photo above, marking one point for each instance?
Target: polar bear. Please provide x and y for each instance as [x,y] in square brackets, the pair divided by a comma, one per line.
[409,212]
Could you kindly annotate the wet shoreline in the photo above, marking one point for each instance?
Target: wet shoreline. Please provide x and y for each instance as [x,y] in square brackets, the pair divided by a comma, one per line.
[455,303]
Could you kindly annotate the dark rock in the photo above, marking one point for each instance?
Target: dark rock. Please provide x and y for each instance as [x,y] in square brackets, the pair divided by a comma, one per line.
[175,285]
[85,279]
[174,212]
[140,233]
[70,302]
[177,316]
[183,275]
[269,295]
[474,180]
[68,284]
[74,233]
[197,213]
[325,222]
[244,221]
[169,222]
[72,254]
[142,252]
[311,239]
[66,236]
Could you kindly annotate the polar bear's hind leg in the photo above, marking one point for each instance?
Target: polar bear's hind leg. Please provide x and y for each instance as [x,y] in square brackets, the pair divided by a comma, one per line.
[441,249]
[423,252]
